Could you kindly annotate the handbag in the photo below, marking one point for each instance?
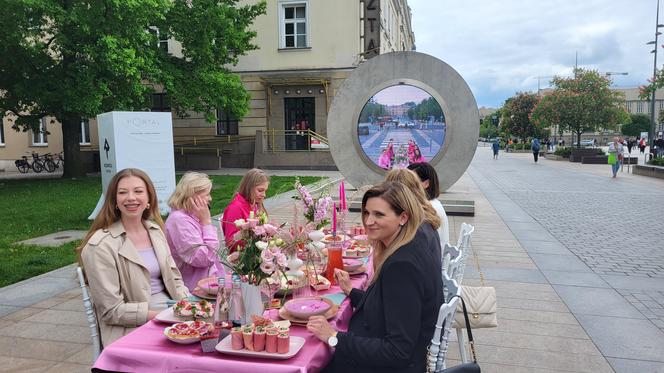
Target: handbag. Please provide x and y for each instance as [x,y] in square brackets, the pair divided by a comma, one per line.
[466,367]
[612,158]
[481,307]
[481,303]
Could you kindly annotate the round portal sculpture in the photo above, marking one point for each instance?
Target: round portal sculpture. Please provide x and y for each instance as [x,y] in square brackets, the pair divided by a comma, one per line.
[400,108]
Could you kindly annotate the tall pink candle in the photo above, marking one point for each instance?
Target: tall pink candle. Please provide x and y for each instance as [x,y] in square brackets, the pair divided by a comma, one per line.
[342,196]
[334,219]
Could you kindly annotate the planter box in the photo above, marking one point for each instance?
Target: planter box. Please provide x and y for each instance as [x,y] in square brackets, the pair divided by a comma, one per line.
[595,159]
[648,170]
[554,157]
[578,154]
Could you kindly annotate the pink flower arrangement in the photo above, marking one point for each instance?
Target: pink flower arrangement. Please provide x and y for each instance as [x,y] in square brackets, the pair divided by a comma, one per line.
[259,252]
[315,209]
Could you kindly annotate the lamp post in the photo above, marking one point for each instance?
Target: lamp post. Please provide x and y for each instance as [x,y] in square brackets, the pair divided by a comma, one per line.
[651,133]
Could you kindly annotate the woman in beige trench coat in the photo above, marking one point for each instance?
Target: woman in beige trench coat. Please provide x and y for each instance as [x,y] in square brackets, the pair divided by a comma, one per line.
[126,258]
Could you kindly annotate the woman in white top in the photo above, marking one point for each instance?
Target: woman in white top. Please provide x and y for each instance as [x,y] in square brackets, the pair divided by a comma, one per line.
[615,152]
[429,179]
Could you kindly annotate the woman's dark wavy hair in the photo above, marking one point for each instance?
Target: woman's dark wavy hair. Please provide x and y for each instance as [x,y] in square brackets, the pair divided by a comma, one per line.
[425,172]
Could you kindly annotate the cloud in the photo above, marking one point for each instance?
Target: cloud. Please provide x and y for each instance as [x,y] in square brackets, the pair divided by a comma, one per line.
[501,48]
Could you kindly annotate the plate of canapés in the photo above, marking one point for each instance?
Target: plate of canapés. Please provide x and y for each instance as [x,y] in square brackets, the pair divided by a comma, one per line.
[261,339]
[185,310]
[187,332]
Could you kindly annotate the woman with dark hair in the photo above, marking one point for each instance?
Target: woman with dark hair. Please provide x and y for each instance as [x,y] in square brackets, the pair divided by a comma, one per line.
[393,320]
[126,258]
[429,179]
[248,200]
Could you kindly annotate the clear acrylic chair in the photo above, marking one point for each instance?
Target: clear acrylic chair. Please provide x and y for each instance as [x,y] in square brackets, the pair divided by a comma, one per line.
[92,317]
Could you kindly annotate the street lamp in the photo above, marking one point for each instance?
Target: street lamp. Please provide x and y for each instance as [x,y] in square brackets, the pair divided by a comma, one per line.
[651,133]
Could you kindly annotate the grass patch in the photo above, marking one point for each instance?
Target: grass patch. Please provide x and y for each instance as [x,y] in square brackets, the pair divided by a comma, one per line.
[35,207]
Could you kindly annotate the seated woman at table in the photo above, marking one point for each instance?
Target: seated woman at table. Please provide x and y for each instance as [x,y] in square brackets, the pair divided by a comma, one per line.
[249,198]
[189,230]
[429,179]
[394,319]
[410,180]
[126,258]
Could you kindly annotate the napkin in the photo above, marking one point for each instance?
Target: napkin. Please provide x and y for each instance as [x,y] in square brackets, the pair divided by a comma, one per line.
[336,298]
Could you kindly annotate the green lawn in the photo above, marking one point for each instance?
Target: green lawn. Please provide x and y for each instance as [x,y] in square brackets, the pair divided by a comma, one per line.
[33,207]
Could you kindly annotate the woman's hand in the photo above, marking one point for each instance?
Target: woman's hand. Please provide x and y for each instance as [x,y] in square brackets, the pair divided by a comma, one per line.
[319,327]
[343,279]
[200,209]
[152,314]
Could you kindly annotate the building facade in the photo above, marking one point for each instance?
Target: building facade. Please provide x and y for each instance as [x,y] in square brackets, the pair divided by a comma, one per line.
[306,50]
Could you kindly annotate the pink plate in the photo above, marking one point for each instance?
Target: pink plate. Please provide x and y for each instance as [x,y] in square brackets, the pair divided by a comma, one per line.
[351,265]
[303,308]
[209,285]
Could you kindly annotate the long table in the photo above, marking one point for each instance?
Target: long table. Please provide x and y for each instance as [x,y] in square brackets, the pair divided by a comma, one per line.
[146,349]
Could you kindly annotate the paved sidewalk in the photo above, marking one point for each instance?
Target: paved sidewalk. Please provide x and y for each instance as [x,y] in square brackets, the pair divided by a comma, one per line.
[538,331]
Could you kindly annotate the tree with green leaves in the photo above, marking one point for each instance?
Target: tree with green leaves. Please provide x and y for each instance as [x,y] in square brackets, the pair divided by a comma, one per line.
[371,111]
[583,103]
[516,116]
[74,59]
[639,123]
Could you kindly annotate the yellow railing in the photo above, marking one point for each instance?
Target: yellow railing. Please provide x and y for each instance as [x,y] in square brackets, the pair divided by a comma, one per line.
[203,140]
[294,141]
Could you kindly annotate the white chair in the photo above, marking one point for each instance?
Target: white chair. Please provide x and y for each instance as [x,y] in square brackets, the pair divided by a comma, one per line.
[464,235]
[464,246]
[440,339]
[449,253]
[92,317]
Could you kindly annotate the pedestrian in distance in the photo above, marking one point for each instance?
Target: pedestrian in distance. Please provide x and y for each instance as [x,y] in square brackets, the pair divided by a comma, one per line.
[535,147]
[496,148]
[615,155]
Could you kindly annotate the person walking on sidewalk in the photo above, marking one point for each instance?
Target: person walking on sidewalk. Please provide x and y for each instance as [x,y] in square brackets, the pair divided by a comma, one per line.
[615,153]
[535,147]
[496,148]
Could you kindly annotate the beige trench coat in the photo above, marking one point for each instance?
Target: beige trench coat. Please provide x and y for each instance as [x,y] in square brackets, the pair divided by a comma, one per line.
[120,282]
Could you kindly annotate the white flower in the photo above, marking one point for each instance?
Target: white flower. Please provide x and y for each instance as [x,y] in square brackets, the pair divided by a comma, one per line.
[316,235]
[239,222]
[319,245]
[261,245]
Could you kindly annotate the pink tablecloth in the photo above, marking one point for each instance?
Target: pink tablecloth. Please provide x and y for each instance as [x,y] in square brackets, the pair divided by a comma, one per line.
[146,349]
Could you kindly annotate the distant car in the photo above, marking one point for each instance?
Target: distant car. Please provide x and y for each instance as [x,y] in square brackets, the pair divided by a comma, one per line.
[363,130]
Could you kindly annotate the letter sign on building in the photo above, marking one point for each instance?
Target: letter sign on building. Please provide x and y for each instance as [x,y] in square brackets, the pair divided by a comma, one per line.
[371,28]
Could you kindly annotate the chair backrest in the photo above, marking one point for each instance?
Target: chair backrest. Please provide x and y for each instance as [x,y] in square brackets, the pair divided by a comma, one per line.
[464,236]
[440,339]
[449,253]
[92,317]
[453,267]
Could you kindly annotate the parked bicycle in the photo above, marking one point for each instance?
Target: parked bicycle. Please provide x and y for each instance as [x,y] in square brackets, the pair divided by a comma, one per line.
[24,164]
[51,163]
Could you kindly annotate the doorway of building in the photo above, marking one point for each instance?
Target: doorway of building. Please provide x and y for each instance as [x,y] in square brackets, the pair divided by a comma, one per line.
[300,116]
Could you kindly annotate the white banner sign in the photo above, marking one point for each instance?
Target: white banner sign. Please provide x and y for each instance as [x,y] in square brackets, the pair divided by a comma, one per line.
[142,140]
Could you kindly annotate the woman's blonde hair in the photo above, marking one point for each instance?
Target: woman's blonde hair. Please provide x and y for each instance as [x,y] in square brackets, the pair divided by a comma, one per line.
[401,200]
[252,179]
[413,183]
[191,184]
[109,212]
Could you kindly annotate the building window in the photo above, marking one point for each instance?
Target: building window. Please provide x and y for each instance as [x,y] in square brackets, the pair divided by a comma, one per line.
[639,107]
[161,102]
[226,124]
[40,138]
[162,38]
[84,136]
[293,24]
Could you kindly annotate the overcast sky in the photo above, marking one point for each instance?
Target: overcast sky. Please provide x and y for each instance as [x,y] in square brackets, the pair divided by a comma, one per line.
[400,94]
[501,47]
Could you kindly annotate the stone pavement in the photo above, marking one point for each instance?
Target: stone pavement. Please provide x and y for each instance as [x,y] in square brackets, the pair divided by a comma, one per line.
[599,241]
[540,329]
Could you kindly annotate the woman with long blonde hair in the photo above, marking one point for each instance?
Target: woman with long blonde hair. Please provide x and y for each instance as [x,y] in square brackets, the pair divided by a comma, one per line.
[393,320]
[248,199]
[189,230]
[126,258]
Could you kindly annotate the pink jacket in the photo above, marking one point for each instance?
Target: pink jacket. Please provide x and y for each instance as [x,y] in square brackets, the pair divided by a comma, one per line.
[194,247]
[384,161]
[239,208]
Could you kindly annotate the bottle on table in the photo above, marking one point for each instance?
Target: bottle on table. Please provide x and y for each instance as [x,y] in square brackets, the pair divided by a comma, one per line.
[236,303]
[221,304]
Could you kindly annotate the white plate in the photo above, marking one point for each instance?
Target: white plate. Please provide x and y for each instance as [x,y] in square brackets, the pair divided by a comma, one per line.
[168,316]
[296,344]
[182,341]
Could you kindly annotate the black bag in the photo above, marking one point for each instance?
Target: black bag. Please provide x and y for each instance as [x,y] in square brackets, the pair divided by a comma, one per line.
[466,367]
